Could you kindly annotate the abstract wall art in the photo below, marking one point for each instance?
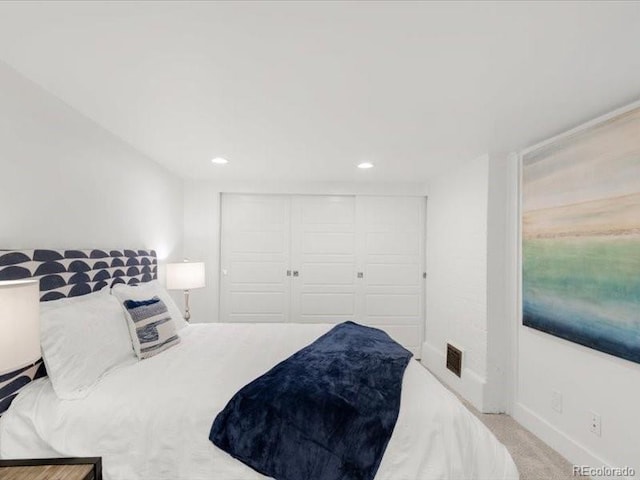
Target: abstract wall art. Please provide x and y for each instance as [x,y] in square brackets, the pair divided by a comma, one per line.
[581,236]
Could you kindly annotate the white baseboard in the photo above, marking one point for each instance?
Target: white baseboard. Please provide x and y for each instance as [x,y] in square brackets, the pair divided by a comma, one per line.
[470,385]
[566,446]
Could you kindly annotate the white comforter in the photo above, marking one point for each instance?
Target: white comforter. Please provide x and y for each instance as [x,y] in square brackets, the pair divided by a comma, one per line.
[150,420]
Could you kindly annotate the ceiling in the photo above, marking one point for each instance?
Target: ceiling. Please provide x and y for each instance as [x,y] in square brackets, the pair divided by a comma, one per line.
[304,91]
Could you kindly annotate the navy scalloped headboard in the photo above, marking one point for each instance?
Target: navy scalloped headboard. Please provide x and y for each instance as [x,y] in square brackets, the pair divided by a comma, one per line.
[69,273]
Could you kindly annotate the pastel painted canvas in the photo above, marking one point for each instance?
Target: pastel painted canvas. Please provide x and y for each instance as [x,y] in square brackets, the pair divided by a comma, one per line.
[581,237]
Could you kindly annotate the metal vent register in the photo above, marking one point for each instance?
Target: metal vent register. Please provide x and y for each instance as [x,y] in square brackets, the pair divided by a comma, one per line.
[454,359]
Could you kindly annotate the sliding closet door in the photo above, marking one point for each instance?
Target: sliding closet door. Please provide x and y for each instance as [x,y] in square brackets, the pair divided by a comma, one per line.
[392,258]
[323,258]
[255,249]
[357,258]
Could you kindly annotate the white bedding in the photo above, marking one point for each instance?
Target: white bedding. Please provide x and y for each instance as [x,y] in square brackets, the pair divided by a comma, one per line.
[151,420]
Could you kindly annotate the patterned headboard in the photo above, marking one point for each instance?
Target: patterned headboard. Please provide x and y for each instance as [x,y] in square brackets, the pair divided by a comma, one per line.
[69,273]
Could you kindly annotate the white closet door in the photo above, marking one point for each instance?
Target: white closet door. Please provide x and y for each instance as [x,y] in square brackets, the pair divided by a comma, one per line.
[255,248]
[391,246]
[323,254]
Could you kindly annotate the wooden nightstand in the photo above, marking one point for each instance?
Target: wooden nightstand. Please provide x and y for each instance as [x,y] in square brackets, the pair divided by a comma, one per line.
[89,468]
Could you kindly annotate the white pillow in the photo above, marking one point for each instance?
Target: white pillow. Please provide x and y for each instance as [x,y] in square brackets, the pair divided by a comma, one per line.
[82,339]
[147,290]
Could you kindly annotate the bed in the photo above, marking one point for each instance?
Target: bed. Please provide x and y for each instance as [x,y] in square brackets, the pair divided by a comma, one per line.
[150,419]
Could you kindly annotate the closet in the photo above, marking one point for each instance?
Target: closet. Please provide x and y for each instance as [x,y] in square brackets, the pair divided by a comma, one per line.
[325,259]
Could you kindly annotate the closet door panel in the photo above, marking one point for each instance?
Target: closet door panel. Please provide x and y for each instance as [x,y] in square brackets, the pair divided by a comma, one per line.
[393,275]
[391,306]
[324,255]
[391,257]
[255,256]
[405,335]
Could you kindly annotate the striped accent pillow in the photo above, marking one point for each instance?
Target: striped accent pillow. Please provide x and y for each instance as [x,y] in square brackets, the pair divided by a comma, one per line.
[151,327]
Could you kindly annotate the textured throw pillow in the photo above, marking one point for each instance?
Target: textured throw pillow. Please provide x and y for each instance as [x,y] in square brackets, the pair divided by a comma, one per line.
[147,290]
[82,339]
[150,325]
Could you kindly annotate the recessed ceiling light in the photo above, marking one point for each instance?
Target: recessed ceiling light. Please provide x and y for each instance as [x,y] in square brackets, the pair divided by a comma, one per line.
[365,165]
[219,161]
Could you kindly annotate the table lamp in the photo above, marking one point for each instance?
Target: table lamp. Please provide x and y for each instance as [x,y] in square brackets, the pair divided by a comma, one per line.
[19,324]
[185,276]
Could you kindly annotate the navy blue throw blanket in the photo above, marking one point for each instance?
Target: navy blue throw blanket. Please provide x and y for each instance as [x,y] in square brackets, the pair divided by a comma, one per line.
[325,413]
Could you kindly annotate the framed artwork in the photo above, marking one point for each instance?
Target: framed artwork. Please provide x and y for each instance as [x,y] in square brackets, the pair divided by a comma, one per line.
[581,236]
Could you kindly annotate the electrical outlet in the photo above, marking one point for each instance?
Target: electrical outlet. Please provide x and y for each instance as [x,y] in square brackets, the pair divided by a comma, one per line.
[594,423]
[556,401]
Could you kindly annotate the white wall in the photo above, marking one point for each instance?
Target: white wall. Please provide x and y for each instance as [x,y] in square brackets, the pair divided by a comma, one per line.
[500,328]
[472,300]
[202,223]
[457,275]
[588,380]
[466,264]
[67,183]
[202,244]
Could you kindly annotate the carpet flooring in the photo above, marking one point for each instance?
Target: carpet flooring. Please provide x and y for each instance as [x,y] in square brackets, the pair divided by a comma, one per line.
[534,458]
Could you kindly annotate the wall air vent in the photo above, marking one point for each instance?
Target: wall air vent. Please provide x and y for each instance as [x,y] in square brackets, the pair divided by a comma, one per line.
[454,359]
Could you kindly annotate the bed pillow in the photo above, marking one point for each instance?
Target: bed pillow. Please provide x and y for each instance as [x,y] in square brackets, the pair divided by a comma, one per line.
[82,339]
[151,328]
[144,291]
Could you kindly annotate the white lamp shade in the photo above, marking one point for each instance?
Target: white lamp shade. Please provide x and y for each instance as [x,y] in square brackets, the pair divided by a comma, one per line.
[185,275]
[19,324]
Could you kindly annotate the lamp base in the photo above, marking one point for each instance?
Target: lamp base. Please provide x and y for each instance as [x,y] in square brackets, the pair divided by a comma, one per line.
[187,314]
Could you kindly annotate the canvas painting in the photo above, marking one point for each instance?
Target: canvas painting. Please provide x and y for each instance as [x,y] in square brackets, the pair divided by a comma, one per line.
[581,237]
